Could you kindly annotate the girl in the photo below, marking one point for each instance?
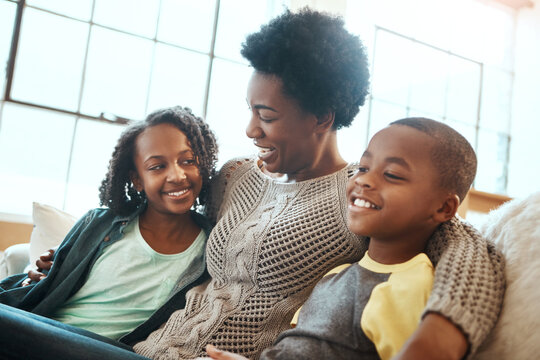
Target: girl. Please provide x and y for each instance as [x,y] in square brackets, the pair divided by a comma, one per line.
[159,172]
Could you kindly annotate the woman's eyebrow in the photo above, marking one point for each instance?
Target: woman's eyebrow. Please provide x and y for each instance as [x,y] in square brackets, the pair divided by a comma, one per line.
[264,107]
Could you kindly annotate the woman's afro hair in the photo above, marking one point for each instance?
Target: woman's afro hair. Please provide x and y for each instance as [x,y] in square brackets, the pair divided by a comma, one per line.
[118,192]
[322,66]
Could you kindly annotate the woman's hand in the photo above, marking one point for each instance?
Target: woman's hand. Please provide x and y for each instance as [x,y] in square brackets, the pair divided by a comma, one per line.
[217,354]
[435,338]
[43,263]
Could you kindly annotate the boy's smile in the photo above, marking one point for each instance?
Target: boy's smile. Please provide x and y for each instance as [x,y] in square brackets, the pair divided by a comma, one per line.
[359,203]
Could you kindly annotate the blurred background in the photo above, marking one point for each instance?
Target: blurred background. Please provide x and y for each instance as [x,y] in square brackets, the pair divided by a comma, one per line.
[76,71]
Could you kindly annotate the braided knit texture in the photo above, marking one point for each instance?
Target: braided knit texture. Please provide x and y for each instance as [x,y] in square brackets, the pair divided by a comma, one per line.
[469,280]
[271,245]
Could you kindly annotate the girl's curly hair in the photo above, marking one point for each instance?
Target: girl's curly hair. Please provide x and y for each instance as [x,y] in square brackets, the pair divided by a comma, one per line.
[321,64]
[117,192]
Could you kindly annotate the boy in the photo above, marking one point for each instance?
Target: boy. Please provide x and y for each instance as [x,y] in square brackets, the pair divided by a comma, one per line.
[411,179]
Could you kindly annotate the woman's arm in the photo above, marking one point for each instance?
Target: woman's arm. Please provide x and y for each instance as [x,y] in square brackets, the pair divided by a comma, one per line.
[469,282]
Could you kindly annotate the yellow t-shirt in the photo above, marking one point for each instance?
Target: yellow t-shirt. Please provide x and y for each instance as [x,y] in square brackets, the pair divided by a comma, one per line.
[393,311]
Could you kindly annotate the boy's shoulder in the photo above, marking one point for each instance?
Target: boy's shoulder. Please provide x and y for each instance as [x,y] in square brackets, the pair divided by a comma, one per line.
[338,269]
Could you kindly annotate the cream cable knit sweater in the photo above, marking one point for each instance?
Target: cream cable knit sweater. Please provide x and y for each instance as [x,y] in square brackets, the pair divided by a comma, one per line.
[274,241]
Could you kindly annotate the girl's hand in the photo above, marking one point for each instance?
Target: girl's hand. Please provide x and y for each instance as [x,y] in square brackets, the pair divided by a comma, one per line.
[217,354]
[43,263]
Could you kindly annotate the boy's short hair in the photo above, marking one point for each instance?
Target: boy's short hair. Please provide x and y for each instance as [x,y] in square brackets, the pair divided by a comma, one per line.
[452,155]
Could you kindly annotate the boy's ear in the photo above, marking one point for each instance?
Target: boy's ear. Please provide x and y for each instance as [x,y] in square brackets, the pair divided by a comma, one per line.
[448,209]
[325,122]
[136,180]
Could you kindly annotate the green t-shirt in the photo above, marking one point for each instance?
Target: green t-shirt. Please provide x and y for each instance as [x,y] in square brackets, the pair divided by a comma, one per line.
[128,282]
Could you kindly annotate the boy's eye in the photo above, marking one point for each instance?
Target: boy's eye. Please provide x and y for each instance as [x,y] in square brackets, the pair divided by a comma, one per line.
[392,176]
[362,169]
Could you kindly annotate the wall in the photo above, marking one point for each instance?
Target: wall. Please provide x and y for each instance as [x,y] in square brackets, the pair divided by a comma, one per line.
[14,230]
[524,165]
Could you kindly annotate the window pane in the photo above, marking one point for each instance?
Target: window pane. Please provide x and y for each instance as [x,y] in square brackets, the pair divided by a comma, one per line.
[233,27]
[228,113]
[7,17]
[496,100]
[80,9]
[117,75]
[463,90]
[178,78]
[492,159]
[89,163]
[352,140]
[391,78]
[489,41]
[34,155]
[48,70]
[187,23]
[134,16]
[383,113]
[429,68]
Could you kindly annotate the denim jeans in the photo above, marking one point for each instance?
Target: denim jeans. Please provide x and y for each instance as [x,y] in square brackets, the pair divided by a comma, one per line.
[24,335]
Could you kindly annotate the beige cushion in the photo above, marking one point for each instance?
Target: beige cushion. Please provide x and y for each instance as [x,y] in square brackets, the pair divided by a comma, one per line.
[515,229]
[51,225]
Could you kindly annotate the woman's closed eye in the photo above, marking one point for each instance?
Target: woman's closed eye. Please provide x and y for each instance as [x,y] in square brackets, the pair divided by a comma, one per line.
[266,119]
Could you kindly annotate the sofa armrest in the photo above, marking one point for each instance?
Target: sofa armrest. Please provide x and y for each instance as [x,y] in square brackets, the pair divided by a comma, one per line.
[14,260]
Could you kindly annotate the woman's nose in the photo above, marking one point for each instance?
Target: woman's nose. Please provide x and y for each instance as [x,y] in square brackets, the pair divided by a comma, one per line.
[253,130]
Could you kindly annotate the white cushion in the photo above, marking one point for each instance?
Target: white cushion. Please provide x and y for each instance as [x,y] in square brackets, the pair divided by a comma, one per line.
[515,229]
[51,226]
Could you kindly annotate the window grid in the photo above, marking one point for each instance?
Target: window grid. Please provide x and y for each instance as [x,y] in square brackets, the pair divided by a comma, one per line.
[369,125]
[104,116]
[500,183]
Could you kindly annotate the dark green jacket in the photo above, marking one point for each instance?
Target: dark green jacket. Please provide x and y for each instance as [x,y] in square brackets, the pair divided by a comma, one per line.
[75,257]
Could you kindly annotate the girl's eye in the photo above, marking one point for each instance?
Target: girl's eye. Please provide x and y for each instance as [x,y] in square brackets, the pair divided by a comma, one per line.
[188,162]
[155,167]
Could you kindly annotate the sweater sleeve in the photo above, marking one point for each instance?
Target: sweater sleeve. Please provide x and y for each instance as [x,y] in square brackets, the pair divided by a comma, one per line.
[469,280]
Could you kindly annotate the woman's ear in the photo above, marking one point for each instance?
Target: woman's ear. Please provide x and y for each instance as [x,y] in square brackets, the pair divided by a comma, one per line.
[448,208]
[136,180]
[325,122]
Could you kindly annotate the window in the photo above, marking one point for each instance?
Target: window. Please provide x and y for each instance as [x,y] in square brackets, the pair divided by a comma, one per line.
[81,69]
[77,70]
